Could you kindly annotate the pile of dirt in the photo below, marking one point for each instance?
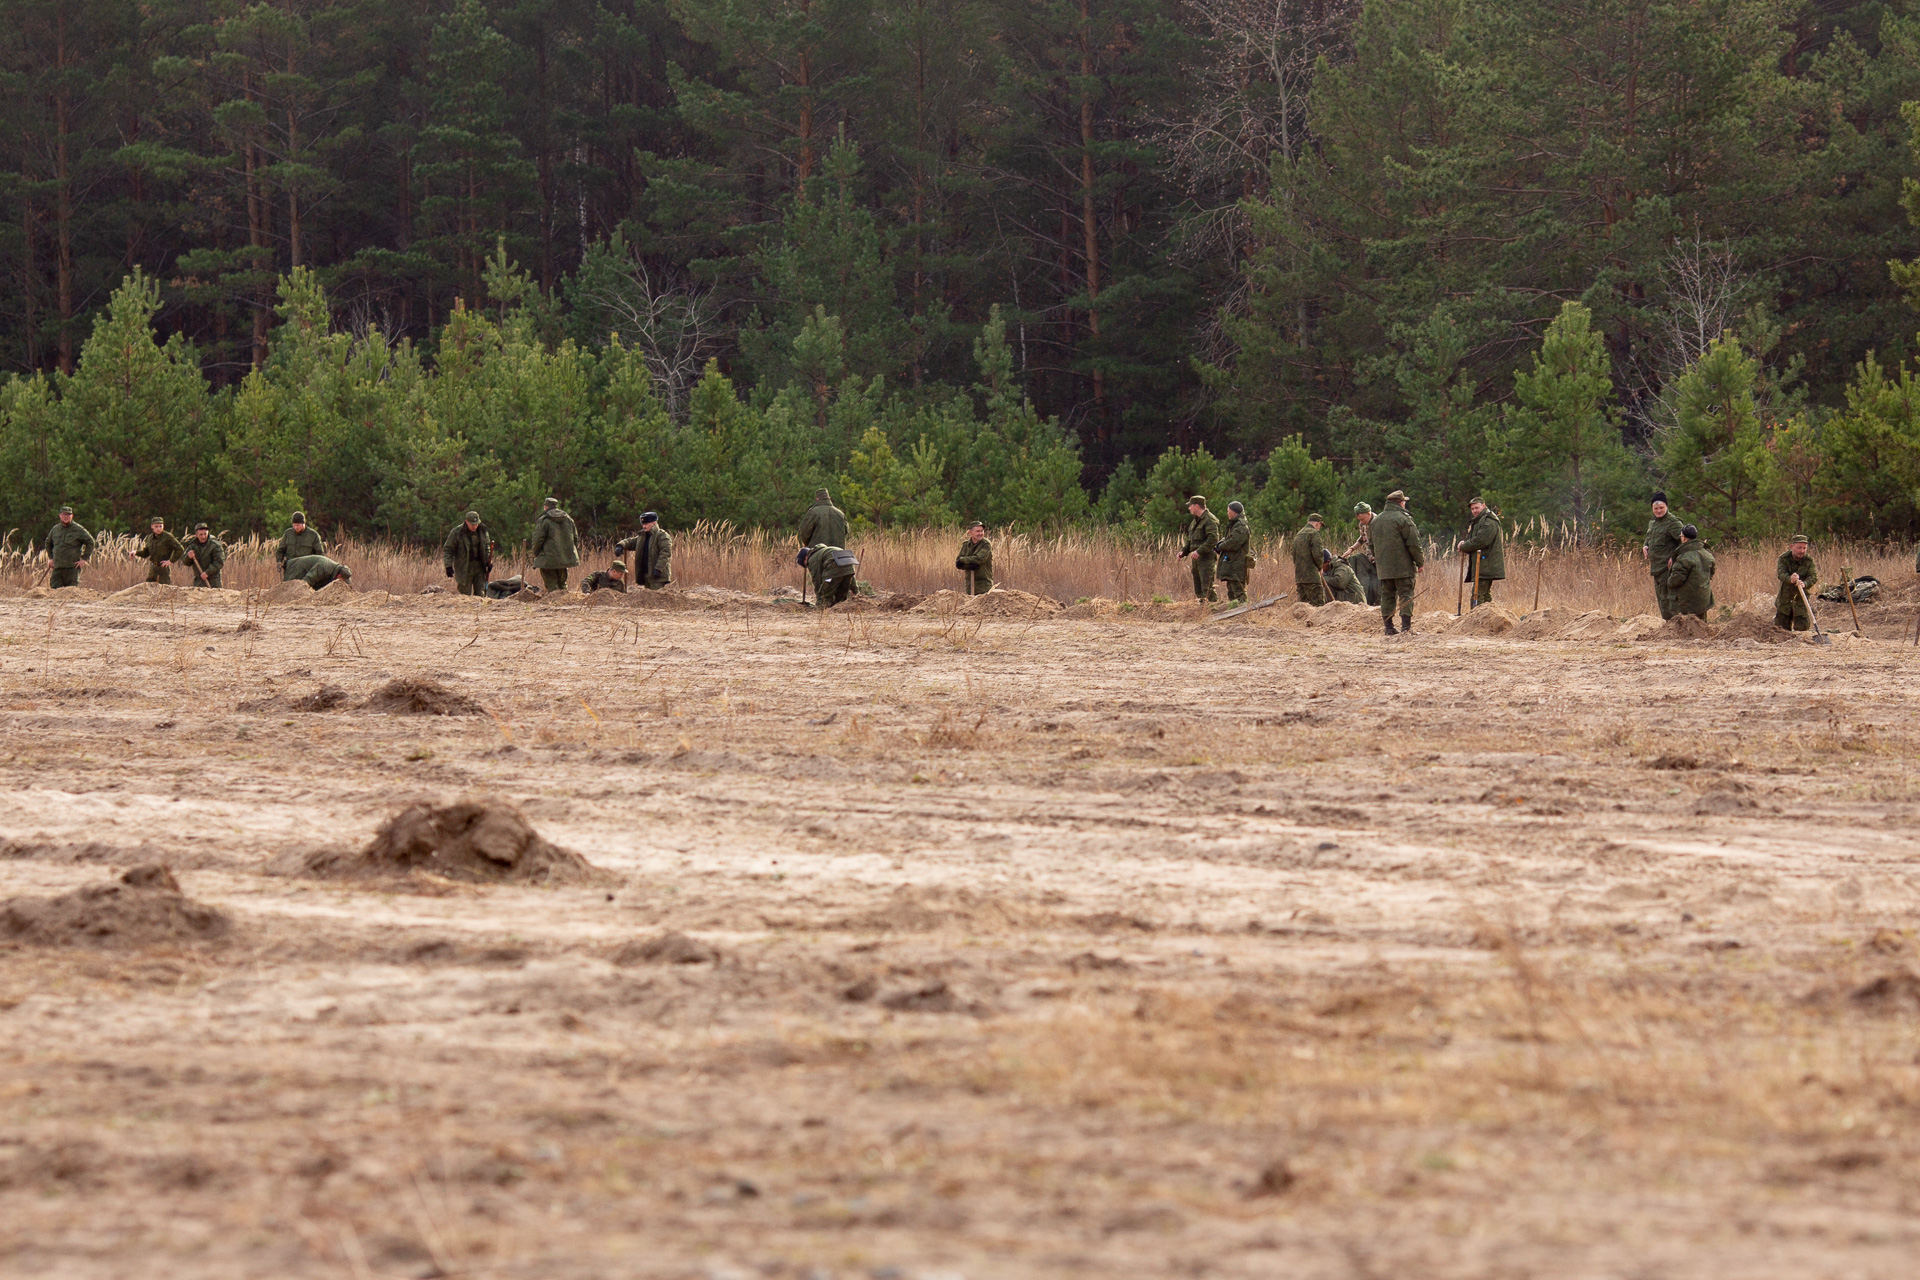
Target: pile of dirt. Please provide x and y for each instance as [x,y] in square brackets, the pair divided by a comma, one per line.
[1544,624]
[1685,626]
[418,696]
[144,907]
[1752,626]
[290,592]
[1592,624]
[1639,627]
[67,594]
[148,593]
[923,909]
[1096,607]
[477,840]
[668,948]
[327,697]
[1001,602]
[1487,620]
[1338,615]
[900,601]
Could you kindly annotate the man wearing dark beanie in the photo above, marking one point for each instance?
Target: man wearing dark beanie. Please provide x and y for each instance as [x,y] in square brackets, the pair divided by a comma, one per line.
[1663,543]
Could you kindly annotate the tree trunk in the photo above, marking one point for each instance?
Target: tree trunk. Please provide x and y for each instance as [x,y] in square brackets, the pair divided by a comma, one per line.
[63,200]
[1089,224]
[806,115]
[547,194]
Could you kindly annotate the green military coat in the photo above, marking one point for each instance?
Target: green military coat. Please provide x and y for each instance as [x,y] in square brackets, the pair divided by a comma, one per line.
[1396,543]
[208,557]
[293,545]
[823,525]
[649,557]
[1236,549]
[1343,585]
[978,557]
[1308,543]
[1691,580]
[1485,536]
[1663,542]
[601,580]
[556,543]
[156,547]
[828,565]
[468,552]
[69,544]
[315,571]
[1202,535]
[1784,568]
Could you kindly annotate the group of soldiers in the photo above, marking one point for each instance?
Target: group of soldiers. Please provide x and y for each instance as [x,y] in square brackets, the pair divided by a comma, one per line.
[300,554]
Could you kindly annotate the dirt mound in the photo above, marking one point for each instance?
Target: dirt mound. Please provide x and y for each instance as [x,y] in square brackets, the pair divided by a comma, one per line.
[422,697]
[67,594]
[290,592]
[1752,626]
[1638,627]
[148,593]
[668,948]
[485,841]
[917,909]
[1487,620]
[900,601]
[1542,625]
[142,908]
[326,698]
[1593,624]
[1338,615]
[1001,602]
[1097,607]
[1685,626]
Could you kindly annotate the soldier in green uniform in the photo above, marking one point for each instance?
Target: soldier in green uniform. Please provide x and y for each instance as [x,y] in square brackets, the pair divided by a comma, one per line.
[1359,556]
[205,556]
[160,549]
[298,541]
[1663,542]
[1485,537]
[1236,553]
[1795,570]
[1690,580]
[467,555]
[833,572]
[1309,546]
[556,546]
[824,523]
[652,552]
[1396,551]
[976,560]
[1342,583]
[612,578]
[316,571]
[1202,535]
[69,546]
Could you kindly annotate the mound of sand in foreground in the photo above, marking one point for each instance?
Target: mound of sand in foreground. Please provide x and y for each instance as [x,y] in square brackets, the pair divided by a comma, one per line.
[1487,620]
[417,696]
[1684,626]
[476,840]
[1001,602]
[141,908]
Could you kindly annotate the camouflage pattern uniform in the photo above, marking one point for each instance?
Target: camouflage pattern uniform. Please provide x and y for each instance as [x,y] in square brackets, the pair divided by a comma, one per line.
[824,523]
[315,571]
[67,545]
[602,580]
[467,556]
[295,543]
[1202,535]
[208,558]
[1485,536]
[1690,581]
[650,554]
[1663,543]
[1396,550]
[1360,555]
[159,547]
[976,560]
[1342,584]
[1789,611]
[832,581]
[1308,546]
[555,547]
[1236,556]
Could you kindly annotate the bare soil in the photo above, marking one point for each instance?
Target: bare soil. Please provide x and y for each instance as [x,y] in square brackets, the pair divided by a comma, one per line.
[972,940]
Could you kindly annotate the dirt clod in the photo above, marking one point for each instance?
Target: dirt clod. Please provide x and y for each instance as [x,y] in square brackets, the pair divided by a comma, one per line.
[143,907]
[668,948]
[1276,1179]
[1894,992]
[326,698]
[422,697]
[471,840]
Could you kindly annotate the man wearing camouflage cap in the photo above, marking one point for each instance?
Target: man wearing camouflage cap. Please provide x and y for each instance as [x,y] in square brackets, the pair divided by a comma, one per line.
[556,545]
[1400,559]
[1796,574]
[69,547]
[1201,536]
[611,578]
[1236,553]
[160,549]
[298,541]
[1309,545]
[205,557]
[1359,556]
[467,555]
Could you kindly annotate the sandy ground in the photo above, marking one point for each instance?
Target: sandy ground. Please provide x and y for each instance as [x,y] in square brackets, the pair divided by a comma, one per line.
[1036,947]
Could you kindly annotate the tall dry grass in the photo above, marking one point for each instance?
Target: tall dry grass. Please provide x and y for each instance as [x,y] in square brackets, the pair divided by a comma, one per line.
[1067,566]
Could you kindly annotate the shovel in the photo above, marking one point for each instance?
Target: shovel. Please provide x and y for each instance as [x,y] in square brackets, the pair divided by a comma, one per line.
[1819,636]
[1846,576]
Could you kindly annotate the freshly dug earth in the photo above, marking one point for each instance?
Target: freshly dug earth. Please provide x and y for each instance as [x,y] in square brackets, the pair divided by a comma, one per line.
[422,697]
[142,908]
[1124,945]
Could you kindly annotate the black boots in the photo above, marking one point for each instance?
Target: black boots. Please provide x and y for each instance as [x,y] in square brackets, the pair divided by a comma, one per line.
[1390,630]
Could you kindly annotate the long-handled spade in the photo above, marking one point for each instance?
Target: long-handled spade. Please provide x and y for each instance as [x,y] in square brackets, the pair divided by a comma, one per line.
[1846,585]
[1819,636]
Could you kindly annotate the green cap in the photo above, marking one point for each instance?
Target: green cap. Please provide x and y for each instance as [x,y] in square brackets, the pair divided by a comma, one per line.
[157,520]
[618,566]
[1799,538]
[1197,499]
[1361,507]
[473,516]
[1314,517]
[551,502]
[299,517]
[66,511]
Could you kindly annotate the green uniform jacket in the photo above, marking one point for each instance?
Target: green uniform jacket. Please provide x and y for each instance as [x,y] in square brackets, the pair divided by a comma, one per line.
[468,552]
[156,547]
[68,544]
[294,545]
[1484,536]
[207,556]
[1691,579]
[555,542]
[1307,546]
[1235,548]
[315,571]
[823,525]
[651,562]
[601,580]
[977,556]
[1786,567]
[1342,585]
[1396,543]
[823,566]
[1202,535]
[1663,542]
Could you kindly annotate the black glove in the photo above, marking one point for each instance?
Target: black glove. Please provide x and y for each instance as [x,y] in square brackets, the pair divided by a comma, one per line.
[449,571]
[959,564]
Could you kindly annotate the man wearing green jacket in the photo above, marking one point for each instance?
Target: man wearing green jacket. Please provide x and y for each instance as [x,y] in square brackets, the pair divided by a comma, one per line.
[1485,540]
[1201,536]
[1663,543]
[69,546]
[316,571]
[1796,574]
[1690,580]
[652,553]
[1342,583]
[1236,553]
[298,541]
[1399,559]
[467,555]
[1309,547]
[824,523]
[160,549]
[205,557]
[556,546]
[833,570]
[976,560]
